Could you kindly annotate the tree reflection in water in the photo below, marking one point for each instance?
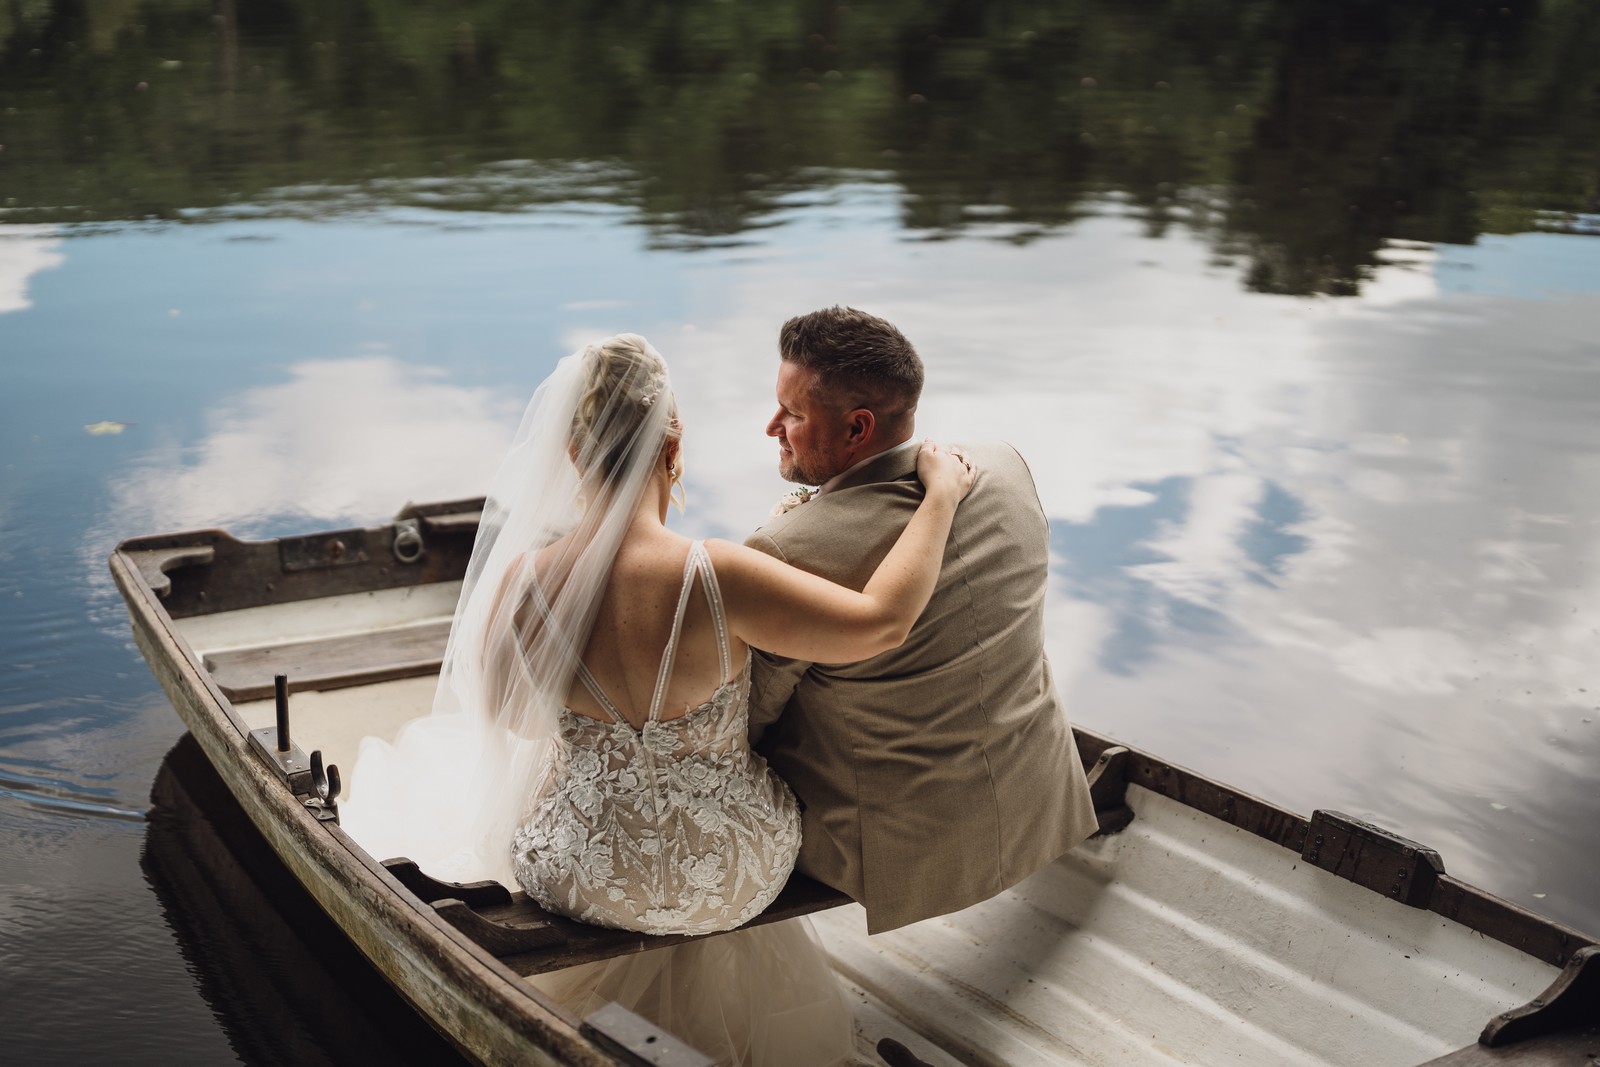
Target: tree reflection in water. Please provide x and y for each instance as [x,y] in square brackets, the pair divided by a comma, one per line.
[1299,137]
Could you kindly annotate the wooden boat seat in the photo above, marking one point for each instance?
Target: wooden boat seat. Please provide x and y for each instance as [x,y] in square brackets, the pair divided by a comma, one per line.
[332,662]
[530,940]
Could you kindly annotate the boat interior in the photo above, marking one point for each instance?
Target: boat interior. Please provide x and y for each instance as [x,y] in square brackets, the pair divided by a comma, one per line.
[1201,926]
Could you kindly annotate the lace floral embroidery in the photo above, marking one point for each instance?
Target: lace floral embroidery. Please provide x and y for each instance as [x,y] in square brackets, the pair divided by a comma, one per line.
[675,828]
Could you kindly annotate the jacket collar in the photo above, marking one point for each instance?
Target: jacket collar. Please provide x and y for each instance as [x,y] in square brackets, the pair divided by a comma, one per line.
[893,464]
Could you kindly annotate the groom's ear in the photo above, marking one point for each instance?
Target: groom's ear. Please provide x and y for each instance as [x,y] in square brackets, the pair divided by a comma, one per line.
[862,422]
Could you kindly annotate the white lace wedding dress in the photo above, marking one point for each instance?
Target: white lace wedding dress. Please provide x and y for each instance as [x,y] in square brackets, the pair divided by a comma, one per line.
[674,828]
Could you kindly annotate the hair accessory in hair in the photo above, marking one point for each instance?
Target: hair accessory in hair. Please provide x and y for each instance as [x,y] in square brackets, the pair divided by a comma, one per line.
[651,390]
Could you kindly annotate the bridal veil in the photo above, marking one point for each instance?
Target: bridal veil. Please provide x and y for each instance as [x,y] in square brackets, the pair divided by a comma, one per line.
[450,789]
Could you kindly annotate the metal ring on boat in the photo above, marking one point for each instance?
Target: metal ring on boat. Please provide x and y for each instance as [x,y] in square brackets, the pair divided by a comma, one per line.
[407,541]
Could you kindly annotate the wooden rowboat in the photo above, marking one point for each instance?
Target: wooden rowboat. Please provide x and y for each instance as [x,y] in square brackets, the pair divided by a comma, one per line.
[1203,925]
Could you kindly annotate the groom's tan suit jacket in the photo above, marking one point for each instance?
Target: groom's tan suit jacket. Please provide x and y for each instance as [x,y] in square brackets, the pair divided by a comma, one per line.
[944,771]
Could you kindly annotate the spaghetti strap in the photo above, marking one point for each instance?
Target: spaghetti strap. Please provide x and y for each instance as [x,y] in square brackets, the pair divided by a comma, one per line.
[671,650]
[719,616]
[584,676]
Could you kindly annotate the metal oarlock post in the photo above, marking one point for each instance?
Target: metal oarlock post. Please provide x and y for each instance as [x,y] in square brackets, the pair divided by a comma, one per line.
[277,749]
[280,690]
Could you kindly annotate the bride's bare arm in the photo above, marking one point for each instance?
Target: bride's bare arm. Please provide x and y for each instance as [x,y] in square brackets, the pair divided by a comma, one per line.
[793,613]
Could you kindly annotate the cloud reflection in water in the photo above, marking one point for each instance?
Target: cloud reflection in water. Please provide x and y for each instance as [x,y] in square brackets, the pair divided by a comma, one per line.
[24,251]
[341,440]
[1339,553]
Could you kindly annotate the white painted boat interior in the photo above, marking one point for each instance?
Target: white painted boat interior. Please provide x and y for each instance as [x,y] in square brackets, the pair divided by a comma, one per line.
[1180,940]
[333,616]
[333,720]
[1184,940]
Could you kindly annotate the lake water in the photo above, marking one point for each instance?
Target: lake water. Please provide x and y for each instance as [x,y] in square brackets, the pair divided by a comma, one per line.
[1292,313]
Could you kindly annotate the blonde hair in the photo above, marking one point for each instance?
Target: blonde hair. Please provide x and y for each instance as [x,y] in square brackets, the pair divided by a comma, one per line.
[625,383]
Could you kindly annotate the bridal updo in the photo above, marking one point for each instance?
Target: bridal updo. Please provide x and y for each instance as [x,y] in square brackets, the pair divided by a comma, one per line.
[625,399]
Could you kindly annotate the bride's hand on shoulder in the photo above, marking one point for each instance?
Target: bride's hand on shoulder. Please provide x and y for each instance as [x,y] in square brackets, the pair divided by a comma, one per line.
[792,613]
[944,470]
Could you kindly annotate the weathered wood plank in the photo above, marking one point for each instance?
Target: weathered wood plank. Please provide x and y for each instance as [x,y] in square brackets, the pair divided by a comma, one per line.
[1233,806]
[429,889]
[156,563]
[243,574]
[531,940]
[331,663]
[1506,922]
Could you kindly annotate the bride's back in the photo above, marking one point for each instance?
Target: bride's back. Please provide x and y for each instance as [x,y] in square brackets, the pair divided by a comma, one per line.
[632,626]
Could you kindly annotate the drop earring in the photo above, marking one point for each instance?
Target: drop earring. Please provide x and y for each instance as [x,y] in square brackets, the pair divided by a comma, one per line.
[677,493]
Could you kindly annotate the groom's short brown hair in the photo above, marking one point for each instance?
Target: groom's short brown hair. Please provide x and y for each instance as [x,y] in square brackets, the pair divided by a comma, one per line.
[862,359]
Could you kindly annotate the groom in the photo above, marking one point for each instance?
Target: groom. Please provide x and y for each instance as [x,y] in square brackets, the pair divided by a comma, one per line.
[944,771]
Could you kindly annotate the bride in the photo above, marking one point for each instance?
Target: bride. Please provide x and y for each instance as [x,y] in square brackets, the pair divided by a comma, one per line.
[593,703]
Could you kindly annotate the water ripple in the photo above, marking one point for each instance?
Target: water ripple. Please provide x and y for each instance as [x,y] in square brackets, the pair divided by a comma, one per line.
[61,795]
[65,805]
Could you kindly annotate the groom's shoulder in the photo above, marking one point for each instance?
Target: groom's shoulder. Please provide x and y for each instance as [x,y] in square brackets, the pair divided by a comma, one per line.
[1007,461]
[1000,455]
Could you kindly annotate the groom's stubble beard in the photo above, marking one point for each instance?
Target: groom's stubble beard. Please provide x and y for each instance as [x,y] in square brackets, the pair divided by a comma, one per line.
[816,466]
[790,470]
[815,469]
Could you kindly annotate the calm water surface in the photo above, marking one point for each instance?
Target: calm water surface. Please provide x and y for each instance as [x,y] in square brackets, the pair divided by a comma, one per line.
[1293,315]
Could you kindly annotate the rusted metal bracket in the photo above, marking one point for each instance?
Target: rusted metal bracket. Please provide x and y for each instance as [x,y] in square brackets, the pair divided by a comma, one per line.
[337,548]
[408,545]
[274,747]
[1108,787]
[323,801]
[293,766]
[315,783]
[1573,999]
[1373,857]
[639,1041]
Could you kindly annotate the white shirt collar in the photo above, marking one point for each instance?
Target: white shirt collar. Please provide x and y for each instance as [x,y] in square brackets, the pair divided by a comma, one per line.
[833,482]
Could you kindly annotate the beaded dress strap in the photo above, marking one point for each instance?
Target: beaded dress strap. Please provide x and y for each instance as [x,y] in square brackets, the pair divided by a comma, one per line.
[719,615]
[665,672]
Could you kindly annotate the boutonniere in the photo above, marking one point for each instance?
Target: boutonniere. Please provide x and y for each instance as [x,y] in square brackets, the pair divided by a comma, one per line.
[792,499]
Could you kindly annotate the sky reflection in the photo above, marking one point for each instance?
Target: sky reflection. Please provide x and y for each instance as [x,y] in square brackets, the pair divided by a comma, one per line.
[1337,552]
[24,251]
[341,440]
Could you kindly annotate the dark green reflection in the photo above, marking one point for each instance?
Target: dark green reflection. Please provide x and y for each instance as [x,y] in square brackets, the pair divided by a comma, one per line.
[1299,135]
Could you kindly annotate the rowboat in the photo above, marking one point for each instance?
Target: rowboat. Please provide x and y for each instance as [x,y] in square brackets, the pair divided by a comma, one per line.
[1201,925]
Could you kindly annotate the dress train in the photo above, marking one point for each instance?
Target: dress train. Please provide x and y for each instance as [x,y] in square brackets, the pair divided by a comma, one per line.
[759,996]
